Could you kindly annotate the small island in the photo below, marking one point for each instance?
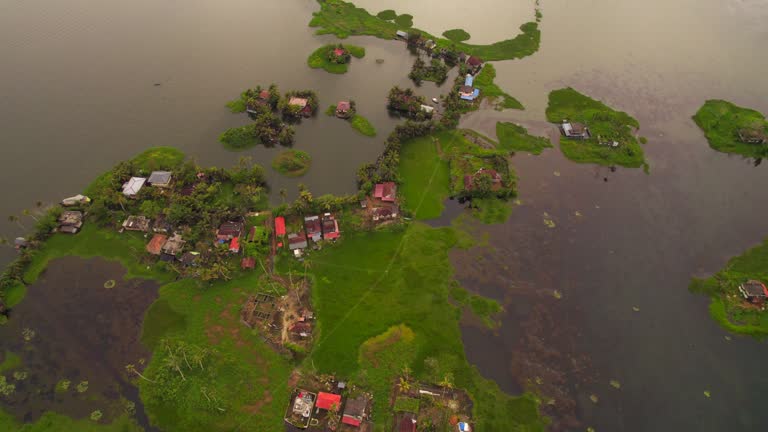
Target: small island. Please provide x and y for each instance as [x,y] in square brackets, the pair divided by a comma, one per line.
[267,128]
[347,110]
[298,104]
[408,104]
[513,137]
[436,71]
[730,128]
[593,132]
[292,163]
[334,58]
[739,292]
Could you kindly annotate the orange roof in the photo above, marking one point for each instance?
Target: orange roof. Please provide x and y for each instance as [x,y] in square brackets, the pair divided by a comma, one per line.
[327,401]
[156,244]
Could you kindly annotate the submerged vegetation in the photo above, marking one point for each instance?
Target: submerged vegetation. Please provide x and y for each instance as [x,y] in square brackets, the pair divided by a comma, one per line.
[292,163]
[344,19]
[611,139]
[733,129]
[514,137]
[484,81]
[728,305]
[334,58]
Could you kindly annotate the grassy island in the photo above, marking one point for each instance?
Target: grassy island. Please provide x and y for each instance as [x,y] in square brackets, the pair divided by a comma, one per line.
[334,58]
[738,293]
[261,105]
[362,125]
[514,137]
[733,129]
[292,163]
[456,35]
[344,19]
[484,81]
[601,134]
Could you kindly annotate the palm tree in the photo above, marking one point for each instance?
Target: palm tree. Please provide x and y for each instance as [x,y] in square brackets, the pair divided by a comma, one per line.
[447,382]
[26,212]
[132,370]
[404,385]
[198,355]
[14,218]
[407,372]
[172,361]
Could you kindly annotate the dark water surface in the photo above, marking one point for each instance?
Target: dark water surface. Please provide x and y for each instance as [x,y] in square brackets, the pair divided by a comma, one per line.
[82,332]
[77,94]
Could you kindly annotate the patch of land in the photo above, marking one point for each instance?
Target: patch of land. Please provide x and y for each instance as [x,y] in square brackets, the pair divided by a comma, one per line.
[268,129]
[292,163]
[435,71]
[344,19]
[484,82]
[513,137]
[335,58]
[362,125]
[456,35]
[733,129]
[610,139]
[738,293]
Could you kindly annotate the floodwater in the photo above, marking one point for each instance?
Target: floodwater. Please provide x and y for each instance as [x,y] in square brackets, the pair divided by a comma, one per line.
[78,93]
[80,331]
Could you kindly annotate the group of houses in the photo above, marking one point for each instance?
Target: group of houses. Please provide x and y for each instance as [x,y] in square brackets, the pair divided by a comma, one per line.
[314,228]
[325,410]
[468,91]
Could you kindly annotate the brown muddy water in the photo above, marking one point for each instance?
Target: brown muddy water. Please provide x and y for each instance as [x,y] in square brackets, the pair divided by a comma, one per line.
[78,93]
[81,331]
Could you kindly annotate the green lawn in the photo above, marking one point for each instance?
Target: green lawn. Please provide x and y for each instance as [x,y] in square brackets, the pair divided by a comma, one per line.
[425,177]
[514,137]
[727,306]
[720,120]
[602,121]
[319,58]
[484,82]
[344,19]
[362,125]
[403,279]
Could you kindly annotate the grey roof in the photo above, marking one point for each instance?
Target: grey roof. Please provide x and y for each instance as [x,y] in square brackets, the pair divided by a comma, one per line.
[133,186]
[159,177]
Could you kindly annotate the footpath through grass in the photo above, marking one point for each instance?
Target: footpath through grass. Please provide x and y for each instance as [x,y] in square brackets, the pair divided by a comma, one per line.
[605,125]
[484,81]
[344,19]
[425,176]
[403,279]
[514,137]
[721,122]
[727,306]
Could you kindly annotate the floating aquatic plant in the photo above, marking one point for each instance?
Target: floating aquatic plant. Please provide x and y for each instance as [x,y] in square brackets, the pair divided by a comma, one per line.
[63,385]
[110,284]
[538,380]
[635,308]
[518,202]
[82,387]
[707,394]
[548,220]
[28,334]
[6,388]
[577,213]
[615,384]
[593,398]
[96,415]
[557,173]
[130,407]
[20,375]
[557,294]
[590,429]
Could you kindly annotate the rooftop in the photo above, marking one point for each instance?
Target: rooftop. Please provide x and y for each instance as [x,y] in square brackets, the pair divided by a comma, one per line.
[328,401]
[159,178]
[297,101]
[136,223]
[280,226]
[343,106]
[385,191]
[474,61]
[155,246]
[133,186]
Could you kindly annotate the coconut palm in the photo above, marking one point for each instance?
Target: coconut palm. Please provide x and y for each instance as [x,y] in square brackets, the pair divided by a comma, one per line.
[132,370]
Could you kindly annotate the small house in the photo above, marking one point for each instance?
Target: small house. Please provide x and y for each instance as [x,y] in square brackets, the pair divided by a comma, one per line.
[574,130]
[475,64]
[343,109]
[427,109]
[248,263]
[355,411]
[70,222]
[75,200]
[161,179]
[330,227]
[234,245]
[190,259]
[297,241]
[302,103]
[383,213]
[279,226]
[467,91]
[173,246]
[229,230]
[299,412]
[386,192]
[136,223]
[162,225]
[20,243]
[496,181]
[301,329]
[328,401]
[401,34]
[133,186]
[313,227]
[754,291]
[464,427]
[155,246]
[752,136]
[407,423]
[430,44]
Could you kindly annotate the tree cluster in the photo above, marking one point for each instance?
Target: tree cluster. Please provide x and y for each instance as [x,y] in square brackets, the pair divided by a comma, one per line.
[407,103]
[342,58]
[295,112]
[436,71]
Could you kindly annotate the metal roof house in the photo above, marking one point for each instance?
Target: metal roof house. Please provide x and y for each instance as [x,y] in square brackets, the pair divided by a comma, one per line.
[136,223]
[155,246]
[401,34]
[70,222]
[354,411]
[297,241]
[313,227]
[752,136]
[574,130]
[330,227]
[385,191]
[467,91]
[173,246]
[754,291]
[160,179]
[133,186]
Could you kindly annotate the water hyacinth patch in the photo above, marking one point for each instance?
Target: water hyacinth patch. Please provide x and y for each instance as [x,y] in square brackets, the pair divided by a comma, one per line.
[82,387]
[110,284]
[615,384]
[96,415]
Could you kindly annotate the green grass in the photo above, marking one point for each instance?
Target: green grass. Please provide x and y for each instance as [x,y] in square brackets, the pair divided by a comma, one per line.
[425,178]
[602,121]
[386,279]
[406,404]
[15,294]
[319,58]
[158,158]
[54,422]
[11,361]
[236,106]
[292,163]
[161,320]
[404,21]
[456,35]
[727,306]
[720,120]
[387,14]
[514,137]
[491,210]
[484,81]
[344,19]
[362,125]
[240,138]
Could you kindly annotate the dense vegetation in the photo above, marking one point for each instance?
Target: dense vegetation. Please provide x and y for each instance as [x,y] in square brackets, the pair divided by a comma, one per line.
[326,57]
[294,112]
[456,35]
[484,81]
[514,137]
[407,103]
[722,121]
[727,306]
[605,125]
[292,163]
[435,71]
[267,128]
[344,19]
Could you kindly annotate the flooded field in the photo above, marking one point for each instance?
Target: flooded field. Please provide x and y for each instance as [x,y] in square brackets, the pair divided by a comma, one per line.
[74,337]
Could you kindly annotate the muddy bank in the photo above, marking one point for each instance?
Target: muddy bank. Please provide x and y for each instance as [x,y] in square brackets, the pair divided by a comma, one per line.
[71,327]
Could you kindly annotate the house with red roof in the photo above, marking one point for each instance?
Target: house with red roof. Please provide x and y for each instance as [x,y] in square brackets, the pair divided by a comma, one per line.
[279,226]
[475,64]
[155,246]
[754,291]
[386,192]
[493,174]
[355,411]
[248,263]
[330,227]
[328,401]
[234,245]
